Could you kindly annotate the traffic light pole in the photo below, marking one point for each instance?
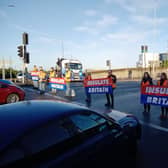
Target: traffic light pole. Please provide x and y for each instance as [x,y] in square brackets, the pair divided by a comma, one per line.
[23,78]
[22,52]
[24,64]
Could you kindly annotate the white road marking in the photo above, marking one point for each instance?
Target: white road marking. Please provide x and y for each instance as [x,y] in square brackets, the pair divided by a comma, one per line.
[154,126]
[142,122]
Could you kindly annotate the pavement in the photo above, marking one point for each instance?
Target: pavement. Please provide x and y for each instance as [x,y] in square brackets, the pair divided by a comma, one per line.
[153,147]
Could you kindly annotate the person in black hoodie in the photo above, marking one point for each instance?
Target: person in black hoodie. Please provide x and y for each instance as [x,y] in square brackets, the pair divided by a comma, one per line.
[146,81]
[110,96]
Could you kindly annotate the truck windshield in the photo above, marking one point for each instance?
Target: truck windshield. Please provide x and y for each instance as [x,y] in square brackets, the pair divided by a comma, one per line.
[75,66]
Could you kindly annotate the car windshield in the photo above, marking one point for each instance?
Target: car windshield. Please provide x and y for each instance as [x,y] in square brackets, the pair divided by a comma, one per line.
[20,74]
[86,121]
[75,66]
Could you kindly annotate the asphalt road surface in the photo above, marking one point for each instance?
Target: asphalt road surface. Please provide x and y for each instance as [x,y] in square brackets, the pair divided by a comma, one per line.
[153,147]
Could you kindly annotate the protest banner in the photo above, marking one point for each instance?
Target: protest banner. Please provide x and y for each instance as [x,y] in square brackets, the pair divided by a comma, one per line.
[35,75]
[155,95]
[57,83]
[98,86]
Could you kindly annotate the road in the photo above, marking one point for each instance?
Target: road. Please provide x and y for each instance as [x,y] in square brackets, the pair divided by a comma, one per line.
[153,148]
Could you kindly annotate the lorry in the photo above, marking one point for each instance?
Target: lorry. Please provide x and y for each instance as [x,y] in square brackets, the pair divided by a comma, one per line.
[75,67]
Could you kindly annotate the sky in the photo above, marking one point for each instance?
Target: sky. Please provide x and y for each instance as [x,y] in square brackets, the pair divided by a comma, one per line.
[91,31]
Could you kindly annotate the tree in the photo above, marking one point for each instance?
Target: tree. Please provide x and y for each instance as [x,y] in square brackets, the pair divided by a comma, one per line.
[7,73]
[164,64]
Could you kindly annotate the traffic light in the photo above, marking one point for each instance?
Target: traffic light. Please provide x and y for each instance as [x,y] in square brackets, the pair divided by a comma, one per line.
[144,49]
[25,38]
[20,51]
[27,58]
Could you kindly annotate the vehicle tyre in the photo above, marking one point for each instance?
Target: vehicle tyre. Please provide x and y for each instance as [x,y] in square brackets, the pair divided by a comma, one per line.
[12,98]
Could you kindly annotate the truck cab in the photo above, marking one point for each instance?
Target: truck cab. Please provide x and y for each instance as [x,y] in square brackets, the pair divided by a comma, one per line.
[75,67]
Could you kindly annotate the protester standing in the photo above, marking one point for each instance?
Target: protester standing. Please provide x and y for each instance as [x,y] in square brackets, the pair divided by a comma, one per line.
[163,82]
[88,77]
[110,96]
[68,81]
[52,74]
[59,68]
[42,80]
[146,81]
[35,82]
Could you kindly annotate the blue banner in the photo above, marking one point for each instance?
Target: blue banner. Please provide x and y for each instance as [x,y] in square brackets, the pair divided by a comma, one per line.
[57,86]
[35,78]
[99,89]
[154,100]
[155,95]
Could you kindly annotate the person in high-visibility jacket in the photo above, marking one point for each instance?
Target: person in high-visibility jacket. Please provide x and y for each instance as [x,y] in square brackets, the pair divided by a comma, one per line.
[52,74]
[42,80]
[35,82]
[88,77]
[35,68]
[68,81]
[163,82]
[146,81]
[110,96]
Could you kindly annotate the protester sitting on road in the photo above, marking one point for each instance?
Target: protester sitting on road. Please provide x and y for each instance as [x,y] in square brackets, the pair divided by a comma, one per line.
[163,82]
[88,77]
[110,96]
[146,81]
[42,80]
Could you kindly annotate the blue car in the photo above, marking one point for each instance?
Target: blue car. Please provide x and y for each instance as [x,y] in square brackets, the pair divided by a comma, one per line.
[64,135]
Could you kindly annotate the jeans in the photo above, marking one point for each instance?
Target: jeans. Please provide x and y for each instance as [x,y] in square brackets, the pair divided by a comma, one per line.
[53,90]
[110,99]
[68,89]
[42,86]
[147,107]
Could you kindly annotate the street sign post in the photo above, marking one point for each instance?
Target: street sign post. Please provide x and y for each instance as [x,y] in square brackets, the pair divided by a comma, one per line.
[108,64]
